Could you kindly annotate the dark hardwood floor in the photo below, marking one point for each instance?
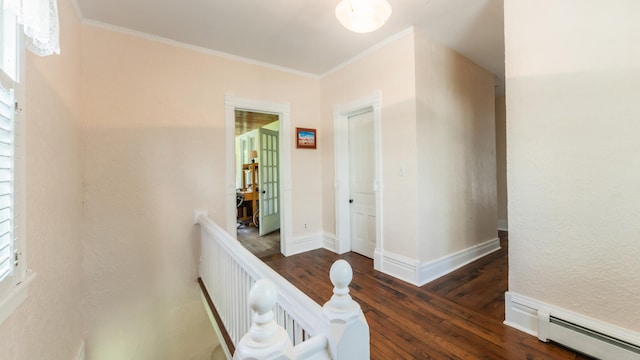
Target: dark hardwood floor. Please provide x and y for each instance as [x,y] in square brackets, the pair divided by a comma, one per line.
[263,247]
[458,316]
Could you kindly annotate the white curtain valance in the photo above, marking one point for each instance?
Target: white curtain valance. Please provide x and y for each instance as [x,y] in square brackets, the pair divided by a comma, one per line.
[40,21]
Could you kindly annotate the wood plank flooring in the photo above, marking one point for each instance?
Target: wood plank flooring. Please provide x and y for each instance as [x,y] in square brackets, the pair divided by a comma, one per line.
[458,316]
[263,247]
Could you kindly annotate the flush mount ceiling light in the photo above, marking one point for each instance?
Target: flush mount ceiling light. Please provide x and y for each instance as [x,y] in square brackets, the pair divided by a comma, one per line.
[363,16]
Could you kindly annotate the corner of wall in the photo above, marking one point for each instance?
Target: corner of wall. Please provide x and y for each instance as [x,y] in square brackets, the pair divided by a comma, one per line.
[503,225]
[432,270]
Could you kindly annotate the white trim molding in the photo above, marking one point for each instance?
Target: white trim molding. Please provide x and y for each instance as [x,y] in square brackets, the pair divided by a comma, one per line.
[283,110]
[368,51]
[304,244]
[528,315]
[329,242]
[341,114]
[398,266]
[503,225]
[419,274]
[432,270]
[190,47]
[521,313]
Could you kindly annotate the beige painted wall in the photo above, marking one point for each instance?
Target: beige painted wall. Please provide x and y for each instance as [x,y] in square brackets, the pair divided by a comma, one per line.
[501,160]
[389,69]
[574,155]
[456,191]
[48,325]
[155,151]
[438,121]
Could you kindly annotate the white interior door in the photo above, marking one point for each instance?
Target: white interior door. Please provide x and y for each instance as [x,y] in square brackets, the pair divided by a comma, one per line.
[361,183]
[269,181]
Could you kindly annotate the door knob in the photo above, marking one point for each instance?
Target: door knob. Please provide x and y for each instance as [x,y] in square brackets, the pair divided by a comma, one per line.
[350,201]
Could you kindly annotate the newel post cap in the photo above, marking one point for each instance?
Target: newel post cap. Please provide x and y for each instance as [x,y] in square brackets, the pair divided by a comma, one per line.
[341,274]
[263,297]
[346,327]
[341,306]
[265,340]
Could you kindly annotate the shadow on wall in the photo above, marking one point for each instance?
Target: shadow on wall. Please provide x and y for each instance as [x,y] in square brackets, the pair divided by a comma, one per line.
[141,248]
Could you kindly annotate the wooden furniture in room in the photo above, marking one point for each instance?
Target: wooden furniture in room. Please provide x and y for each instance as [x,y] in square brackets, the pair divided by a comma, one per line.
[249,191]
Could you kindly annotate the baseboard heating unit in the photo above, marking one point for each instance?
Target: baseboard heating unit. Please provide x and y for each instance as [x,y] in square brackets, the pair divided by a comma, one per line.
[584,339]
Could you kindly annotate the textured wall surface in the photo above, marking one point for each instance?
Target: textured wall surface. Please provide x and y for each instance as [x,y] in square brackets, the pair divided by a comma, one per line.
[501,158]
[574,155]
[155,151]
[437,123]
[456,193]
[48,325]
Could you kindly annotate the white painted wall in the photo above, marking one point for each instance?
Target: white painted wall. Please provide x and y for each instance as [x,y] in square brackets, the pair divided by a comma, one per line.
[126,140]
[389,69]
[48,325]
[154,147]
[573,79]
[456,156]
[438,124]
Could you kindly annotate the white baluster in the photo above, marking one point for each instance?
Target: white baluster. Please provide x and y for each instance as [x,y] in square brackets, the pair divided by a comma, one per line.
[347,328]
[265,340]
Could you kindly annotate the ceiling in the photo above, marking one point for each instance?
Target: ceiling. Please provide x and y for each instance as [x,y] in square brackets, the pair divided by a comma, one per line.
[304,35]
[247,121]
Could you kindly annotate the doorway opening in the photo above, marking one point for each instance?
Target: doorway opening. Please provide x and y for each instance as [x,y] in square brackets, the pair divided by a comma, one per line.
[358,178]
[257,182]
[266,172]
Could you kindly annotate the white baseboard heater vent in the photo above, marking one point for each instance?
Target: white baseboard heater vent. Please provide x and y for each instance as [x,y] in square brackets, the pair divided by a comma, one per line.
[585,340]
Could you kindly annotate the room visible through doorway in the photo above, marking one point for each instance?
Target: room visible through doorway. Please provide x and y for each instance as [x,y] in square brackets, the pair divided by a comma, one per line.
[257,182]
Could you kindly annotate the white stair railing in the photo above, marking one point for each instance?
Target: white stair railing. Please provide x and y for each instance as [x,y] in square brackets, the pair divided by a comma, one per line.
[336,331]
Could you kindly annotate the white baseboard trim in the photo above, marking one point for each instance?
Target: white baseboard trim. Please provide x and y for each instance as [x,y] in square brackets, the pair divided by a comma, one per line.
[377,259]
[432,270]
[398,266]
[304,244]
[413,272]
[503,225]
[329,242]
[522,314]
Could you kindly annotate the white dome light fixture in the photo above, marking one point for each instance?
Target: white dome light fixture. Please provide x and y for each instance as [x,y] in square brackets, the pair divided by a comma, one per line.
[363,16]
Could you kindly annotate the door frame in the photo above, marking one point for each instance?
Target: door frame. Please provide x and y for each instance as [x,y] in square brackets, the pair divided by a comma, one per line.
[341,114]
[283,110]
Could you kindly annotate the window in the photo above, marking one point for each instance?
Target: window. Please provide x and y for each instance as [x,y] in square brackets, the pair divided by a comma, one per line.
[12,268]
[7,215]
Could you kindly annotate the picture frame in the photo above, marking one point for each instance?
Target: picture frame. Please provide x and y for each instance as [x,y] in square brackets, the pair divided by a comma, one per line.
[306,138]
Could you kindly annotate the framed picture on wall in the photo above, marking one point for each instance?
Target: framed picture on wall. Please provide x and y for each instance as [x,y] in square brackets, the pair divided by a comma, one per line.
[306,138]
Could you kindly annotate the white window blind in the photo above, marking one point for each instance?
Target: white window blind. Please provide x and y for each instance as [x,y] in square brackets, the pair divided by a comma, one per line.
[14,275]
[7,239]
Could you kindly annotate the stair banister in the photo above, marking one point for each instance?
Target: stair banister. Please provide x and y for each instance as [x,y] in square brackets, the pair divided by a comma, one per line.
[285,323]
[344,331]
[346,325]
